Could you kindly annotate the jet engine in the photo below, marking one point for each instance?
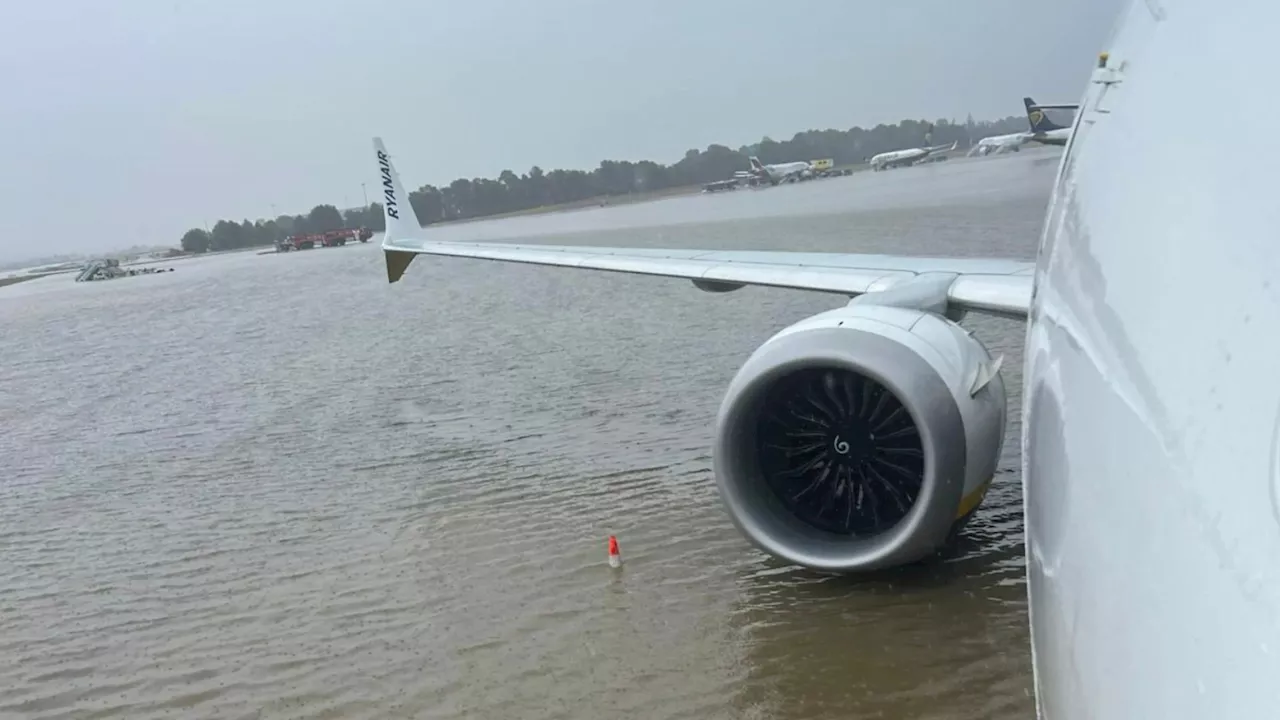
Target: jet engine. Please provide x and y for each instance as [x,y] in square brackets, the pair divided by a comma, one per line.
[860,438]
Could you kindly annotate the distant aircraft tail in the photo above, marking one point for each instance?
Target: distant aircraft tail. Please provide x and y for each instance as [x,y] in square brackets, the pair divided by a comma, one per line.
[1038,120]
[401,220]
[756,164]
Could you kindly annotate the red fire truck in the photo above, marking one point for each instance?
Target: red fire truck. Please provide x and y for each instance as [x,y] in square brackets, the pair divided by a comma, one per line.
[333,238]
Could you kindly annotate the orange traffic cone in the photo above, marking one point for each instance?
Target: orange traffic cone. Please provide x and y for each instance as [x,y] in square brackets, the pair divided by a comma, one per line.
[615,559]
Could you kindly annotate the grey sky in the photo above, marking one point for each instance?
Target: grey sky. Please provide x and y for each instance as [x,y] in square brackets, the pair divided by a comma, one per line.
[129,122]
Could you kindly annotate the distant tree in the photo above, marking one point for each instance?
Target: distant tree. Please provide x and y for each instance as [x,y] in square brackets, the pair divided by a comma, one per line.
[227,236]
[324,218]
[478,197]
[266,232]
[366,217]
[376,220]
[428,204]
[535,183]
[195,240]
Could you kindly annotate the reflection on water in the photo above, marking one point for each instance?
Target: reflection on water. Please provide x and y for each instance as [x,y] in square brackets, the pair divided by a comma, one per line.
[942,640]
[276,486]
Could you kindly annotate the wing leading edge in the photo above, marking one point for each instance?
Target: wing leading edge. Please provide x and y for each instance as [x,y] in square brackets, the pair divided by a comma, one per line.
[998,287]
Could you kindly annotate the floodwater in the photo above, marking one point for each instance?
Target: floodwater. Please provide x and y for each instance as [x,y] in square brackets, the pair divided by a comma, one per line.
[277,487]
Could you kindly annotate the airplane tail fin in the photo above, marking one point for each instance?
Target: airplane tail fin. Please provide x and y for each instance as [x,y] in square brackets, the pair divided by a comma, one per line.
[756,164]
[1038,120]
[397,212]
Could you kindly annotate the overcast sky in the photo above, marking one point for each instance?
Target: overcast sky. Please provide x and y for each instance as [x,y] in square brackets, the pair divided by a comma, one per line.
[128,122]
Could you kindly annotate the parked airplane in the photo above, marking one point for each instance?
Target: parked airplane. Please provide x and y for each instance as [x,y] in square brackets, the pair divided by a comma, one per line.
[862,437]
[909,156]
[1044,130]
[780,172]
[997,144]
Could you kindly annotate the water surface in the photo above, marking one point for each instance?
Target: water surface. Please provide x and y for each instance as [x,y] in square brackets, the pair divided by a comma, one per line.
[275,486]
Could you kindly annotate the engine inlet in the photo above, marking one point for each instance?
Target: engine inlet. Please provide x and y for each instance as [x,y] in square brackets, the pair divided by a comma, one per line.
[840,451]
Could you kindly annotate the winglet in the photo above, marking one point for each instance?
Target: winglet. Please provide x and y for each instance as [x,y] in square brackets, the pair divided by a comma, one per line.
[397,212]
[397,262]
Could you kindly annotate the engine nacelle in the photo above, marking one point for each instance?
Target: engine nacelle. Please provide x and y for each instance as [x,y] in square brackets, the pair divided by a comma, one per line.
[860,438]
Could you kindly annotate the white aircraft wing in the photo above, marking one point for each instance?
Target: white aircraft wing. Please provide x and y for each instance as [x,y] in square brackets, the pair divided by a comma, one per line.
[998,287]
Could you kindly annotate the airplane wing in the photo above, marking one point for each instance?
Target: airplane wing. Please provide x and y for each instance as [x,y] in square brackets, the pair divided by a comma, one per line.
[997,287]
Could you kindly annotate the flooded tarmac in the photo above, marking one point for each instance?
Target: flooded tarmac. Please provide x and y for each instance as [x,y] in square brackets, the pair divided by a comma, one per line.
[276,486]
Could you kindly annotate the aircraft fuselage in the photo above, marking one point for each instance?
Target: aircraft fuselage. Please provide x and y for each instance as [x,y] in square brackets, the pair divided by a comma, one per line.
[1051,137]
[1151,415]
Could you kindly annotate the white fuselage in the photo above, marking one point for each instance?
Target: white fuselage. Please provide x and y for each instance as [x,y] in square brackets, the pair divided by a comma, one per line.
[902,158]
[783,171]
[1151,410]
[897,158]
[1051,137]
[1000,143]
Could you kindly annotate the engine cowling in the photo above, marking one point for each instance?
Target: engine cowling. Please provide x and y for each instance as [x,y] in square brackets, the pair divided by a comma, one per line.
[860,438]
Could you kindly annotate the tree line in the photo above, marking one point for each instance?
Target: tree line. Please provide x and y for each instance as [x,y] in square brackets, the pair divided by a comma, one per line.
[480,197]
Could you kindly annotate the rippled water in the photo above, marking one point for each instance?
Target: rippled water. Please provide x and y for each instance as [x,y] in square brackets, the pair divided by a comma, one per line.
[275,486]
